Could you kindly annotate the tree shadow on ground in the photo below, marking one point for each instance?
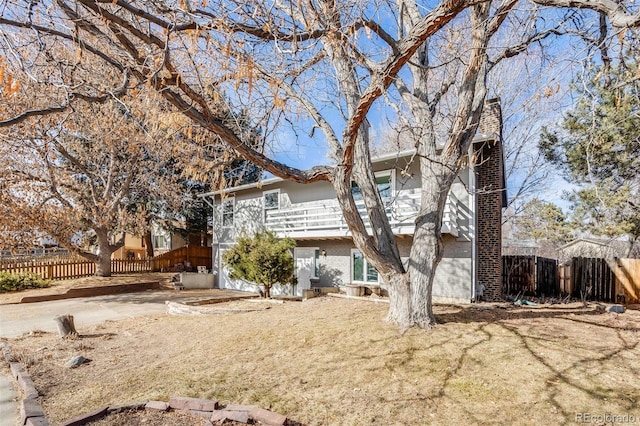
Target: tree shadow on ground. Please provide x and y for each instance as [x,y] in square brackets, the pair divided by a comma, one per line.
[493,313]
[558,377]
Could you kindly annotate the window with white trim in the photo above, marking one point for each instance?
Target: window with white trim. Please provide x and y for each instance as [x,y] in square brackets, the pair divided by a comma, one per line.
[270,201]
[228,208]
[316,263]
[385,181]
[361,270]
[160,242]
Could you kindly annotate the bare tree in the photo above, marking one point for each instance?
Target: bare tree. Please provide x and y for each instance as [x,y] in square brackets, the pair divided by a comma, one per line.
[84,179]
[310,65]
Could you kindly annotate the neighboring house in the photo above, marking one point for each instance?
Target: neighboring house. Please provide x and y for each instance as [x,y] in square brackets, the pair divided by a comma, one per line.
[162,240]
[602,248]
[520,247]
[325,255]
[542,248]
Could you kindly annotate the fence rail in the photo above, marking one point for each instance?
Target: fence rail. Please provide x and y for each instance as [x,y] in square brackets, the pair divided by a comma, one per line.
[70,269]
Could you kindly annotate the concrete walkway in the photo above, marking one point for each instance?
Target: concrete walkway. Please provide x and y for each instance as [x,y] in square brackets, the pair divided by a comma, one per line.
[17,319]
[8,404]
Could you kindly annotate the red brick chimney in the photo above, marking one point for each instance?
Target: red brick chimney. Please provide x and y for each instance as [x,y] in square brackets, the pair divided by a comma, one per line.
[491,197]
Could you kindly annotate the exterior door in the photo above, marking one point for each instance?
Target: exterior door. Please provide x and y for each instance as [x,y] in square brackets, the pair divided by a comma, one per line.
[305,267]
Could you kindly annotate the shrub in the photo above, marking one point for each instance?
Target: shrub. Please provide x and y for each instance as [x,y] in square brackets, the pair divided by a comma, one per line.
[17,282]
[263,259]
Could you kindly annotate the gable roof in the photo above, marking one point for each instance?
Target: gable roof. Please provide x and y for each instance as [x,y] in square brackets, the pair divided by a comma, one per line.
[619,248]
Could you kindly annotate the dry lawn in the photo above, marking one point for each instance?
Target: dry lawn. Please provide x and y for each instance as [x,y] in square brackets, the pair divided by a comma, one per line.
[331,361]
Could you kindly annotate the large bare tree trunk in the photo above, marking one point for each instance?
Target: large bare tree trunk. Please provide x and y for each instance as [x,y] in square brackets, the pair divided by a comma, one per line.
[148,243]
[103,266]
[399,300]
[427,247]
[103,259]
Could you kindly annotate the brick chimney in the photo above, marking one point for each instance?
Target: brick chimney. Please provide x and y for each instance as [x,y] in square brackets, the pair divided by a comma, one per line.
[490,199]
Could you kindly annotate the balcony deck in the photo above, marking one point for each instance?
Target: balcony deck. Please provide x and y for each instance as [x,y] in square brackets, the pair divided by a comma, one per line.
[324,219]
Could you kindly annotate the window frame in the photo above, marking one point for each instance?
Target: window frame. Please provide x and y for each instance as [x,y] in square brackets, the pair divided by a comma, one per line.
[365,268]
[392,182]
[316,263]
[264,204]
[382,173]
[226,201]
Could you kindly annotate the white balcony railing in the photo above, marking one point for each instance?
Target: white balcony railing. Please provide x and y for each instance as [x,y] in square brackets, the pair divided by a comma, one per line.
[324,218]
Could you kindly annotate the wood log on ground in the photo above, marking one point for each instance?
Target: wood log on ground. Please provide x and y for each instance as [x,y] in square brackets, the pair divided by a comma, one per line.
[66,328]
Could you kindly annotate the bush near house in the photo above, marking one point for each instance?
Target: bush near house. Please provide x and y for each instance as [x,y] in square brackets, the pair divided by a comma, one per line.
[17,282]
[263,259]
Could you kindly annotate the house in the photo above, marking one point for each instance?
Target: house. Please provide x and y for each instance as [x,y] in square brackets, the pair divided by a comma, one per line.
[325,255]
[600,248]
[162,241]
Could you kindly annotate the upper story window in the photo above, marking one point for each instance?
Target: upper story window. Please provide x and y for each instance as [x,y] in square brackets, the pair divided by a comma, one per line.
[228,208]
[385,181]
[160,242]
[271,200]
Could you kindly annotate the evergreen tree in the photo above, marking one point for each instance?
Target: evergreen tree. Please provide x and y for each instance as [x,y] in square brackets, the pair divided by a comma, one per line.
[263,259]
[598,147]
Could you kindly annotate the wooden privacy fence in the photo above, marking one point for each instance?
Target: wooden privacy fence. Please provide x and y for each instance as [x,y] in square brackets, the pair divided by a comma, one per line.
[183,258]
[530,276]
[627,272]
[70,269]
[518,275]
[594,279]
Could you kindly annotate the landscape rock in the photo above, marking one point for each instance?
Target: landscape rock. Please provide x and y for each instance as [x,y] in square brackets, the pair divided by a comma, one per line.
[618,309]
[198,413]
[156,405]
[185,403]
[237,416]
[218,416]
[76,361]
[268,417]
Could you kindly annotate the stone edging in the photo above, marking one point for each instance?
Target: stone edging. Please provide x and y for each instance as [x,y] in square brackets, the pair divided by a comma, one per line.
[32,414]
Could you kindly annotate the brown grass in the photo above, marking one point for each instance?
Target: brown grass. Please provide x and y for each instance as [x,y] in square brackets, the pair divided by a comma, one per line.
[331,361]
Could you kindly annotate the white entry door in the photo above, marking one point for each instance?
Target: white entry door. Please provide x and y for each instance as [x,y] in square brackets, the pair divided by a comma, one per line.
[305,267]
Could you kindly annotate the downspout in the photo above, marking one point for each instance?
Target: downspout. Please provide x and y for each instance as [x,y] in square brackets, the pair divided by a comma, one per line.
[214,240]
[473,226]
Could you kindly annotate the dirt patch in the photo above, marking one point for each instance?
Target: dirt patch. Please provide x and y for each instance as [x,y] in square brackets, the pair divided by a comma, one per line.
[333,361]
[149,418]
